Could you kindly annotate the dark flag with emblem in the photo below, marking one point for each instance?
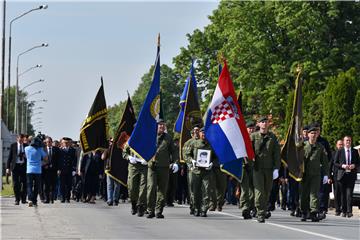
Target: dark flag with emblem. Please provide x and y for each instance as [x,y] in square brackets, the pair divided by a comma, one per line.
[118,166]
[93,133]
[192,114]
[292,153]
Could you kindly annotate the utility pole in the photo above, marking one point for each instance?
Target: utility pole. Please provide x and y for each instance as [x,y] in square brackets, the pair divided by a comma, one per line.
[2,90]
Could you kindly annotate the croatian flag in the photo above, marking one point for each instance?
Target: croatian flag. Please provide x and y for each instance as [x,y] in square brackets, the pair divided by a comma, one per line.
[225,127]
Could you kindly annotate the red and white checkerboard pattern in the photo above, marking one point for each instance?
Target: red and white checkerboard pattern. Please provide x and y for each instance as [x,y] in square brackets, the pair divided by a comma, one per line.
[222,112]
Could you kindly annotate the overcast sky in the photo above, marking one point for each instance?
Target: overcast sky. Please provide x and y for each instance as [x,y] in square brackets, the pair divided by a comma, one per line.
[90,39]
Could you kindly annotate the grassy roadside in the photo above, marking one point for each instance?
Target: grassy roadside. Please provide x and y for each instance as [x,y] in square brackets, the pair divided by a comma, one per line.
[7,188]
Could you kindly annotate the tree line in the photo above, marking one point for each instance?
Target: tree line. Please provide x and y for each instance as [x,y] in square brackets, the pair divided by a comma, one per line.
[263,43]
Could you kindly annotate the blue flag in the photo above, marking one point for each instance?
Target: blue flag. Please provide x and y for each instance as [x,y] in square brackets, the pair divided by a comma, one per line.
[179,120]
[143,139]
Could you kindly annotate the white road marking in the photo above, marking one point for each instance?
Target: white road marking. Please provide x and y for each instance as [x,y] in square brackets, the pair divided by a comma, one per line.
[289,228]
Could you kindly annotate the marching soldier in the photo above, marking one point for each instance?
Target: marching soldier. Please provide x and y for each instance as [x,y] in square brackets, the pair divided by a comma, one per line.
[266,166]
[137,181]
[247,186]
[315,161]
[195,135]
[200,175]
[158,171]
[218,183]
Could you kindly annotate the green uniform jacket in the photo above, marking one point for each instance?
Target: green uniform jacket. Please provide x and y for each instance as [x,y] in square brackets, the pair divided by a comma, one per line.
[315,158]
[166,152]
[267,150]
[190,152]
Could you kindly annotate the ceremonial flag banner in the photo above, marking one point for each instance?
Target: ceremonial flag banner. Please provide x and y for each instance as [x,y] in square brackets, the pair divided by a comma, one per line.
[180,118]
[93,133]
[143,138]
[292,153]
[225,127]
[118,166]
[192,115]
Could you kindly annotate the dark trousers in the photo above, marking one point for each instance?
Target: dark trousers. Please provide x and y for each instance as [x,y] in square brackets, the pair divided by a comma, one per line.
[182,188]
[65,186]
[273,195]
[293,194]
[49,183]
[347,187]
[33,185]
[284,193]
[170,195]
[337,195]
[91,186]
[324,196]
[19,182]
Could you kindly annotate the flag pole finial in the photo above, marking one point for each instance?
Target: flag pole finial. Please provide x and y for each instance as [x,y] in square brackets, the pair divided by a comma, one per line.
[128,93]
[102,81]
[158,40]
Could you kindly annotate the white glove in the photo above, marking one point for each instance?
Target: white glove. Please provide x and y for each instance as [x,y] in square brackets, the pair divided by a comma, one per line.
[143,162]
[210,166]
[73,173]
[132,160]
[325,179]
[193,162]
[175,168]
[275,174]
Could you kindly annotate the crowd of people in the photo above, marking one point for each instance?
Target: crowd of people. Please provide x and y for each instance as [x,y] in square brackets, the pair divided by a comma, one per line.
[58,170]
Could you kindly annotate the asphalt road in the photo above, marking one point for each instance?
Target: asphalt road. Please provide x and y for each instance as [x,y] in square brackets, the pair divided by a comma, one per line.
[99,221]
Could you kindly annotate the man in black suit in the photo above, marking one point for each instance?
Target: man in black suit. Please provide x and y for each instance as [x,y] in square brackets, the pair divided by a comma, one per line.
[334,170]
[66,168]
[347,160]
[49,174]
[16,165]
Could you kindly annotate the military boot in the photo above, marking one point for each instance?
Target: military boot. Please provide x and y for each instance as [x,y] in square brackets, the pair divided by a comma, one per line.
[303,217]
[133,208]
[314,217]
[141,211]
[246,215]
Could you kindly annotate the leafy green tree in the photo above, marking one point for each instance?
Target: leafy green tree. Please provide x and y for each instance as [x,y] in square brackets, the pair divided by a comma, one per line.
[23,102]
[338,105]
[263,43]
[171,89]
[356,120]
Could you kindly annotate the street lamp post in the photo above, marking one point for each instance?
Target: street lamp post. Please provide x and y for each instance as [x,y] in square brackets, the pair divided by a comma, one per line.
[27,111]
[29,69]
[16,121]
[9,62]
[23,110]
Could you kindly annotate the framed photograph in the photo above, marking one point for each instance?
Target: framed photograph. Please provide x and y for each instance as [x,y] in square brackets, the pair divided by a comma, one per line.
[203,158]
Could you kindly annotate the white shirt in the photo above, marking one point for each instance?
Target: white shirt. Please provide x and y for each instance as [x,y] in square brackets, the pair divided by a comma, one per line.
[20,149]
[348,160]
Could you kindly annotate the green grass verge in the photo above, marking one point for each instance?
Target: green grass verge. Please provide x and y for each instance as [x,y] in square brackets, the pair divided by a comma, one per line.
[7,190]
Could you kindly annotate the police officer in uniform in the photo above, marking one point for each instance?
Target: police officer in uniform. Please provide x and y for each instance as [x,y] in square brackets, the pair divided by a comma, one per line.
[246,181]
[266,166]
[200,175]
[137,182]
[315,162]
[158,171]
